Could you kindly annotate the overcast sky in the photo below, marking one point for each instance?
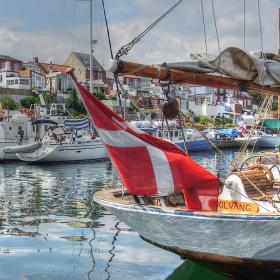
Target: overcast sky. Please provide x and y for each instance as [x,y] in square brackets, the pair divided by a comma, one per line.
[52,29]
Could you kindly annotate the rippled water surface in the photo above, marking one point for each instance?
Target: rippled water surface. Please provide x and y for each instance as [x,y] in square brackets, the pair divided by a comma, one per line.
[51,229]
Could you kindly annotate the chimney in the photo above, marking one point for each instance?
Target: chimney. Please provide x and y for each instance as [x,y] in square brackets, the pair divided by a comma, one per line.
[35,59]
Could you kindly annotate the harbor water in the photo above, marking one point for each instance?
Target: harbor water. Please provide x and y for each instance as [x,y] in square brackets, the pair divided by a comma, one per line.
[51,229]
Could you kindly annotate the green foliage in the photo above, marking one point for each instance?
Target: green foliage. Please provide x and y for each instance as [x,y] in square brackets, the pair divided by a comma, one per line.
[101,96]
[207,122]
[74,103]
[113,97]
[27,101]
[258,99]
[9,103]
[48,98]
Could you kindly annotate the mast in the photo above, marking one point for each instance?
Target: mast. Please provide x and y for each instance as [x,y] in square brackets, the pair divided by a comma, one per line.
[90,52]
[278,54]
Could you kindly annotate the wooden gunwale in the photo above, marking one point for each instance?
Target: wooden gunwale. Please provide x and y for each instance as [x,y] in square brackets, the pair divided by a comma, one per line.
[108,195]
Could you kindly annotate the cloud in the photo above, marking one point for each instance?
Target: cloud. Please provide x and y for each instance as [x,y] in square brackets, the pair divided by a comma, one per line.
[178,34]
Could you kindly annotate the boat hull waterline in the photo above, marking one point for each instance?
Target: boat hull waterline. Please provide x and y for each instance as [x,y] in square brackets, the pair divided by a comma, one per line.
[227,237]
[66,152]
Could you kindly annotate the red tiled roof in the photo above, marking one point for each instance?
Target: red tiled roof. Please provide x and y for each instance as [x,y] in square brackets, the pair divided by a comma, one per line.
[53,67]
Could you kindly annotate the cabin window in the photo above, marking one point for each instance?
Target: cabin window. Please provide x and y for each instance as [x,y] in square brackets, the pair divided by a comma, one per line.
[165,134]
[10,128]
[180,133]
[176,133]
[171,133]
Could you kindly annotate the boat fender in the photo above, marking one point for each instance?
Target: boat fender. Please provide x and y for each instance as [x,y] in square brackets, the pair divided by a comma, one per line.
[170,108]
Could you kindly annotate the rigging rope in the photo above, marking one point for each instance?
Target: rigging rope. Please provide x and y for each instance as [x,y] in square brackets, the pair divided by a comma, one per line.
[244,25]
[126,48]
[107,28]
[204,27]
[216,28]
[260,27]
[116,77]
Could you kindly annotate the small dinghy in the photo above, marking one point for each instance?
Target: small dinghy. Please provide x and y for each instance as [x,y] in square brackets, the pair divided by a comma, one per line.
[27,148]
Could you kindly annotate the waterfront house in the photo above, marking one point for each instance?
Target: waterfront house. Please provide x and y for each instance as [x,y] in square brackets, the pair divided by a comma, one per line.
[10,73]
[81,63]
[210,102]
[48,76]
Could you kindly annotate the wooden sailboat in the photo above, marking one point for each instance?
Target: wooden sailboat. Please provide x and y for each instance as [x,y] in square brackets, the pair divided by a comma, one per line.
[173,202]
[234,222]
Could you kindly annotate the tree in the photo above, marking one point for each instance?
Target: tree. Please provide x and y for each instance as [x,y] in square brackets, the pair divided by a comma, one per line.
[28,101]
[48,98]
[101,96]
[74,103]
[9,103]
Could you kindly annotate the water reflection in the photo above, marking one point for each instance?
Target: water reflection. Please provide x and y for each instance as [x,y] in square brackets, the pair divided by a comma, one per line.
[50,227]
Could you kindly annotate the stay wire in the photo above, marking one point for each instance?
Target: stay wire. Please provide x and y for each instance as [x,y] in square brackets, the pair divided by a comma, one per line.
[125,48]
[116,77]
[204,26]
[244,25]
[216,28]
[107,28]
[260,27]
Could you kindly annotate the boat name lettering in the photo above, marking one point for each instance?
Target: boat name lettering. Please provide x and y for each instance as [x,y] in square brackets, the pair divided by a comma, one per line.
[237,206]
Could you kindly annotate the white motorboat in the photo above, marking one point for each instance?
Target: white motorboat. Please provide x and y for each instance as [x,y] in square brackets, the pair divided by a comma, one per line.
[267,140]
[15,130]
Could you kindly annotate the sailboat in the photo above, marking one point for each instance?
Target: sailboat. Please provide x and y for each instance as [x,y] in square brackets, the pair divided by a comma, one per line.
[173,202]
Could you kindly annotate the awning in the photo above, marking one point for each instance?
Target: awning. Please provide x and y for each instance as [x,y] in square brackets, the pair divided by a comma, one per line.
[44,121]
[272,123]
[76,124]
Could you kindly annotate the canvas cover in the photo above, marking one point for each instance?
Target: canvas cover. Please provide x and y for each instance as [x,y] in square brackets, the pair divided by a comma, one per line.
[234,63]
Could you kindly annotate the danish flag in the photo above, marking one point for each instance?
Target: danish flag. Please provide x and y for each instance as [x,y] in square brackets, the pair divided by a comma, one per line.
[149,165]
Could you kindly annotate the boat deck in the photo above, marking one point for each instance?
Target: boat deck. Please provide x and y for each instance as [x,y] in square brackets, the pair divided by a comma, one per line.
[116,196]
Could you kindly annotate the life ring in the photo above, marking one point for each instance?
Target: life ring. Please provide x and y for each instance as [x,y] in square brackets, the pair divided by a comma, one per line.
[265,169]
[28,112]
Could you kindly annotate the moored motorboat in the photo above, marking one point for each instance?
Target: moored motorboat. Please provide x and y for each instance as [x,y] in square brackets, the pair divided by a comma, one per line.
[194,141]
[267,140]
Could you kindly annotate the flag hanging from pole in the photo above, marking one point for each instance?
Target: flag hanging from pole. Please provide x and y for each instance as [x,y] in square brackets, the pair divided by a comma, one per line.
[149,165]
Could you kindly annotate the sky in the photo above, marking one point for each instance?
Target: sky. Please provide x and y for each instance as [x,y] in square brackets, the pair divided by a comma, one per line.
[52,29]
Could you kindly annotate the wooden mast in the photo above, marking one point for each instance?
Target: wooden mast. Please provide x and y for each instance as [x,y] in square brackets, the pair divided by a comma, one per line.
[193,78]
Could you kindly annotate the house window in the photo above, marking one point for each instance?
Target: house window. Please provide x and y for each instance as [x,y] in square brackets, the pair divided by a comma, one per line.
[16,67]
[6,65]
[99,76]
[24,81]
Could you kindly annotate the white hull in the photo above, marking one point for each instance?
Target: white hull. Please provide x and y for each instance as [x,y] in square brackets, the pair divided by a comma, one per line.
[248,237]
[268,141]
[9,156]
[66,152]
